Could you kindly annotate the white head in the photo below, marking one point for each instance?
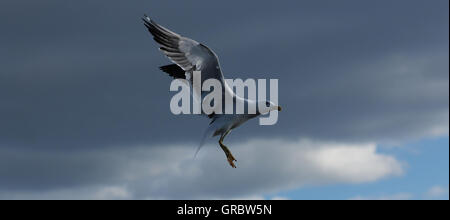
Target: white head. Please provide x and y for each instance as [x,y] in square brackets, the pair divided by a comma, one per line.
[269,106]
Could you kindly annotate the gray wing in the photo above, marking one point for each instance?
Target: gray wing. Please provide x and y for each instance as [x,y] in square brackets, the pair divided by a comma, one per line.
[186,53]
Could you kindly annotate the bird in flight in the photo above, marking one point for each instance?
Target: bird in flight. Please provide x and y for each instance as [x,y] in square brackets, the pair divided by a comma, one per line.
[188,56]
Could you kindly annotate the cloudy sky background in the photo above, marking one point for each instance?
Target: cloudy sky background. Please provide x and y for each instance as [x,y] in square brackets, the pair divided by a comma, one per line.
[84,110]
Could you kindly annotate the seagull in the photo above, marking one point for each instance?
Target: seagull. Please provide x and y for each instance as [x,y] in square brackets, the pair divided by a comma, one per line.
[188,56]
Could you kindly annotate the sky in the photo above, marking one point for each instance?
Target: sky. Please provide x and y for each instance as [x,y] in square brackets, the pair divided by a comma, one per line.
[84,110]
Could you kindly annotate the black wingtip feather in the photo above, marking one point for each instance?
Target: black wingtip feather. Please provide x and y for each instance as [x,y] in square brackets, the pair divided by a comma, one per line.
[174,71]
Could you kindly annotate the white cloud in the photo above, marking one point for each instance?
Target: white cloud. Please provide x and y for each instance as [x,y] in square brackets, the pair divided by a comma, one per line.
[76,193]
[113,192]
[397,196]
[279,198]
[170,172]
[352,163]
[437,192]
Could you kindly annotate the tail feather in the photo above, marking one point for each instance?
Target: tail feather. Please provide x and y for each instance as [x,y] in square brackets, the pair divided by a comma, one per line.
[207,134]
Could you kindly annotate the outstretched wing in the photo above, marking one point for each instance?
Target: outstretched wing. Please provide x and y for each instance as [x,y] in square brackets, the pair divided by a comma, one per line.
[186,53]
[190,56]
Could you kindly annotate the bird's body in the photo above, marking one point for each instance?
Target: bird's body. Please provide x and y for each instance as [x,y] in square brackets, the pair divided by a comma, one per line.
[189,56]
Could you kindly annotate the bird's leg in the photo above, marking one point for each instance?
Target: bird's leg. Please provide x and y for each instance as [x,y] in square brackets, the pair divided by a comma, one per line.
[225,149]
[230,156]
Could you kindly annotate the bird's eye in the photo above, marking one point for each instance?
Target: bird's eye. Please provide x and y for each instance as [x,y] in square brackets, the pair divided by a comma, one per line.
[268,104]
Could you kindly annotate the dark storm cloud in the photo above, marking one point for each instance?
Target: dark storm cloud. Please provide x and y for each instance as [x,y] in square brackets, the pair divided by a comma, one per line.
[85,74]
